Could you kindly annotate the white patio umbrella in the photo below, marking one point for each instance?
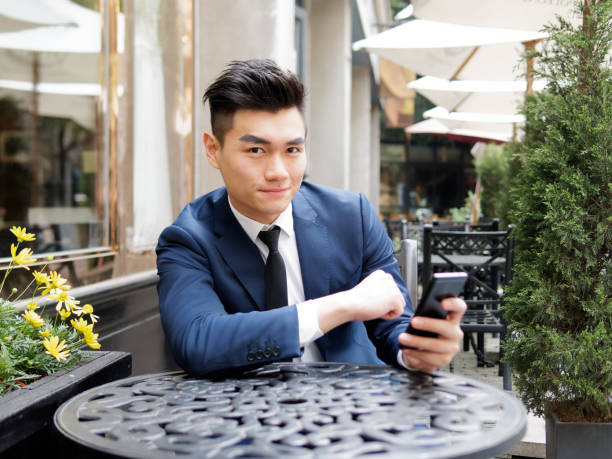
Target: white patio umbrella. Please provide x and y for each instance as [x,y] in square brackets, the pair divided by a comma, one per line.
[53,67]
[501,97]
[27,14]
[467,133]
[64,100]
[506,125]
[452,51]
[64,53]
[54,61]
[487,120]
[67,53]
[82,35]
[504,14]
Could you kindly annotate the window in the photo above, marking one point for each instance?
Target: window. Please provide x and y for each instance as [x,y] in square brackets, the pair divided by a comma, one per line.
[54,147]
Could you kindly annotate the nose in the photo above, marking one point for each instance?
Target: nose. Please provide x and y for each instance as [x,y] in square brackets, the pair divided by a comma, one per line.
[276,169]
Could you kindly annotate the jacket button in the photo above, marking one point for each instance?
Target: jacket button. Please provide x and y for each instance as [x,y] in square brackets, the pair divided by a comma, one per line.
[250,356]
[267,353]
[276,351]
[259,354]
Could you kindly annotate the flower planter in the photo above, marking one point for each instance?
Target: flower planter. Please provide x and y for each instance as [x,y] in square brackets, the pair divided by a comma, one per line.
[569,440]
[26,415]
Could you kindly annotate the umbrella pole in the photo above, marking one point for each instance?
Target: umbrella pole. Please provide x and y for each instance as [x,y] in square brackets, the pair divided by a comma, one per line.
[35,166]
[529,47]
[460,103]
[585,26]
[464,63]
[476,203]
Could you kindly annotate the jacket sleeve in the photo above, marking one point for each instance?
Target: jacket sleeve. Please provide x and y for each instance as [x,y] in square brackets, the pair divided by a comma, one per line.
[378,254]
[204,338]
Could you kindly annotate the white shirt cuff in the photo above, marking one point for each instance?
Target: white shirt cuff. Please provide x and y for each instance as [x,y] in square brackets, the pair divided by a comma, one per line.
[401,361]
[308,323]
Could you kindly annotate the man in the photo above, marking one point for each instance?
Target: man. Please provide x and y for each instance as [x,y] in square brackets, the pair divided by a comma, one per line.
[272,268]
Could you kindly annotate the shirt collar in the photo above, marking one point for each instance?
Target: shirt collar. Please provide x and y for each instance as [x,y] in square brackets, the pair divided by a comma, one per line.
[252,227]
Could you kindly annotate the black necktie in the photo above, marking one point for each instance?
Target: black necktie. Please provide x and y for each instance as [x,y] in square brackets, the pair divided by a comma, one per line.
[275,275]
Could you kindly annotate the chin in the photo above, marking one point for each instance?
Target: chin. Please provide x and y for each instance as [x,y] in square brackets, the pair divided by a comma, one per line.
[277,207]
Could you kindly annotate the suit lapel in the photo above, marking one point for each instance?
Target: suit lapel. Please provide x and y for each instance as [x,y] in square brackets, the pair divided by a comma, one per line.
[244,259]
[239,252]
[313,248]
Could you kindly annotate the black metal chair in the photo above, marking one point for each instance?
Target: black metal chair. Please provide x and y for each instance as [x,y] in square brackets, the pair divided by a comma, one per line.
[395,228]
[482,225]
[487,258]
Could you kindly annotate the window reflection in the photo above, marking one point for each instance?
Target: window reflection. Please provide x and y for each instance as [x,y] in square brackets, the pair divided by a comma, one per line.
[51,157]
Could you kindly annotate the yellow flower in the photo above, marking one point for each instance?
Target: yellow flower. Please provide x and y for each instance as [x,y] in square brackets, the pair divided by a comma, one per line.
[33,318]
[23,258]
[22,235]
[56,281]
[88,309]
[80,325]
[64,298]
[64,314]
[41,278]
[32,305]
[91,339]
[54,349]
[45,333]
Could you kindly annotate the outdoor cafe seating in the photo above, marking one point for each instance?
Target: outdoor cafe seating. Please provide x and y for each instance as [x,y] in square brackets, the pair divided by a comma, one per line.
[487,258]
[481,251]
[402,229]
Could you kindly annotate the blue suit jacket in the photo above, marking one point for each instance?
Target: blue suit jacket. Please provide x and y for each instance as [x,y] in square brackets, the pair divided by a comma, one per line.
[211,287]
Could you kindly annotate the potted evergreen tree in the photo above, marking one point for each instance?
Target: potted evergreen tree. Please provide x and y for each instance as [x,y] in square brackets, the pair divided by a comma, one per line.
[559,304]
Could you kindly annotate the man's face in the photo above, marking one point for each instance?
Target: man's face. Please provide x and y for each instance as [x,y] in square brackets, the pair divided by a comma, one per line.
[262,161]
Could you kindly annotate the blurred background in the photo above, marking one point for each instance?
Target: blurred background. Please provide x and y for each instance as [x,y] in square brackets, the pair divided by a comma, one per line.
[101,118]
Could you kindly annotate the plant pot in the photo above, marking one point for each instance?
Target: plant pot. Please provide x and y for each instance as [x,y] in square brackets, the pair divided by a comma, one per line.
[571,440]
[26,415]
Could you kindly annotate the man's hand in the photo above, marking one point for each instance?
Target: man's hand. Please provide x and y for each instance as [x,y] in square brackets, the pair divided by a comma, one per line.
[375,297]
[432,353]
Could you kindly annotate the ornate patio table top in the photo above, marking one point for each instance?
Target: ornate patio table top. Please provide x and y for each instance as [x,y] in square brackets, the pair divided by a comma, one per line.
[296,409]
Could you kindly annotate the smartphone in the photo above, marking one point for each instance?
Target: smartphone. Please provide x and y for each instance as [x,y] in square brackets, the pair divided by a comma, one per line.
[442,285]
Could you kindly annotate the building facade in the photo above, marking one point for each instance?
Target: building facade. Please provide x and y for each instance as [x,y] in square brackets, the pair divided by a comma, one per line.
[101,118]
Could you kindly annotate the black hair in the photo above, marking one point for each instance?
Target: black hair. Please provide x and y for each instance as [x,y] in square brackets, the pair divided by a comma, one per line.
[256,84]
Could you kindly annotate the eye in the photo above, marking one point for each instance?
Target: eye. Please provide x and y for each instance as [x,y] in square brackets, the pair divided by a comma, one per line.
[294,150]
[255,150]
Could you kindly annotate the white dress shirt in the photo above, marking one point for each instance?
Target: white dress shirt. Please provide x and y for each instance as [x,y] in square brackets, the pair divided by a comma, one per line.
[308,323]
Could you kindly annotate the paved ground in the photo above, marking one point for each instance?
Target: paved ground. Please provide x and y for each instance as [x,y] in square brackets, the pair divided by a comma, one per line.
[533,444]
[465,364]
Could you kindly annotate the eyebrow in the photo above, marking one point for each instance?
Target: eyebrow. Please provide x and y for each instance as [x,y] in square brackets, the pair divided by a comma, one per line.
[296,141]
[254,139]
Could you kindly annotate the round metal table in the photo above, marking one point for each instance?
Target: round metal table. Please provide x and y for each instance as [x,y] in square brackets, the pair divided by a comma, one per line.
[296,409]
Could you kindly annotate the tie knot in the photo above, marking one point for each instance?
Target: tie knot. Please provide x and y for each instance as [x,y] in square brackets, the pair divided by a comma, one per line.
[270,238]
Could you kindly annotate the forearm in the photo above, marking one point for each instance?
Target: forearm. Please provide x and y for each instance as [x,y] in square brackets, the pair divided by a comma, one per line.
[375,297]
[208,343]
[332,311]
[207,336]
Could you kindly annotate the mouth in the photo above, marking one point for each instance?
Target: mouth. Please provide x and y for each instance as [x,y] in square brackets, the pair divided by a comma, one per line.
[274,191]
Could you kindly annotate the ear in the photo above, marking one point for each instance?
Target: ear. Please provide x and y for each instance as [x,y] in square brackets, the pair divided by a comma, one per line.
[213,148]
